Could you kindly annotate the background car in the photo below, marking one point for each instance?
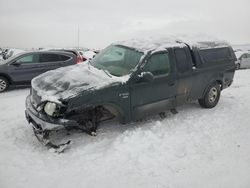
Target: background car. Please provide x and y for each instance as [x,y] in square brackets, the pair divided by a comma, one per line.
[243,59]
[87,54]
[13,51]
[21,69]
[1,54]
[9,52]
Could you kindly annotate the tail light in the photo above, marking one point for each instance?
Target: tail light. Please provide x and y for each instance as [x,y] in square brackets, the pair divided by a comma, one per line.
[83,59]
[78,59]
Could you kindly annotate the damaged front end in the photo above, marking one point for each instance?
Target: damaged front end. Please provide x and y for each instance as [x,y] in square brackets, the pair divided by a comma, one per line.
[48,117]
[43,125]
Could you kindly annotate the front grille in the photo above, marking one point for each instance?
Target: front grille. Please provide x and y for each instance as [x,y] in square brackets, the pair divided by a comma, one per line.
[35,99]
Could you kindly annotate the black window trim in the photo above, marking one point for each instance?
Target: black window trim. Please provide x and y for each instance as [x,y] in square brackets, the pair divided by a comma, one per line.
[155,53]
[70,58]
[187,58]
[25,64]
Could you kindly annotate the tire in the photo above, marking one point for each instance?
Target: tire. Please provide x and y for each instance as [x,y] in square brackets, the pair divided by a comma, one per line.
[211,97]
[4,84]
[237,66]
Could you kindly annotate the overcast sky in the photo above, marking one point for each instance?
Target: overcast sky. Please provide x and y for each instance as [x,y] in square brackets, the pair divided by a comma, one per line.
[54,23]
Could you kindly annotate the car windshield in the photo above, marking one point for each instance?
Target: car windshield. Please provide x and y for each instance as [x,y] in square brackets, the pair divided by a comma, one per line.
[117,60]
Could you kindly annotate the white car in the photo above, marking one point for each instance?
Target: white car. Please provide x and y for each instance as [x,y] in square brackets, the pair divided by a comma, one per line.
[243,59]
[13,52]
[1,56]
[88,54]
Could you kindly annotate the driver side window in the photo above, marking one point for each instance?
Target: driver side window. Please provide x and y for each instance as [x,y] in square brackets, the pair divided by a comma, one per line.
[158,64]
[28,59]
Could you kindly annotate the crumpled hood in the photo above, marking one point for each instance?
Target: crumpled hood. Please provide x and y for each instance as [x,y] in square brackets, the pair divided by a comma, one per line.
[69,81]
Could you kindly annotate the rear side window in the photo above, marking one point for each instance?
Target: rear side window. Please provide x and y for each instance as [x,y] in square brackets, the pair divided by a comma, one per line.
[181,60]
[49,58]
[158,64]
[64,57]
[216,55]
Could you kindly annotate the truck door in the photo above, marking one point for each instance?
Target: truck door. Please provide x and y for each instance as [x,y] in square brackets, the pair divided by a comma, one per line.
[155,95]
[184,74]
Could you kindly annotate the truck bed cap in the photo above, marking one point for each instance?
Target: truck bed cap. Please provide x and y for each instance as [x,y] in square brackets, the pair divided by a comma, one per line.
[159,44]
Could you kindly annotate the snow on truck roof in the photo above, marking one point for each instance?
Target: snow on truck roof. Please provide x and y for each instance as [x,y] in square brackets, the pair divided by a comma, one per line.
[158,44]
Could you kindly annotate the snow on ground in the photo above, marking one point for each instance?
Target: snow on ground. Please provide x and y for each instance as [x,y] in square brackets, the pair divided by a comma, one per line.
[195,148]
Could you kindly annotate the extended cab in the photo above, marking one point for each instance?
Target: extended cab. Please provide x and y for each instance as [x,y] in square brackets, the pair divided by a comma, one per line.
[130,80]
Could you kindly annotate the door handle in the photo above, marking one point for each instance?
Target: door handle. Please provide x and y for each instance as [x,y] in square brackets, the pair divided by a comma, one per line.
[171,83]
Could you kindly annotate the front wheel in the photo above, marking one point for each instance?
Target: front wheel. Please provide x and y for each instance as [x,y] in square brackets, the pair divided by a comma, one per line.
[4,84]
[211,97]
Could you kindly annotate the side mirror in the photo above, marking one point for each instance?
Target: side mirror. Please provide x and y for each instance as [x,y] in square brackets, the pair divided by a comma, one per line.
[146,76]
[15,64]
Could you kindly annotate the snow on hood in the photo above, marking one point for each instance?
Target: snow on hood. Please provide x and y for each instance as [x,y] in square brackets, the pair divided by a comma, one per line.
[68,81]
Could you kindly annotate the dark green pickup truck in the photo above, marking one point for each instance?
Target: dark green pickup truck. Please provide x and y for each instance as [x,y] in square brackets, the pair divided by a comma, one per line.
[128,81]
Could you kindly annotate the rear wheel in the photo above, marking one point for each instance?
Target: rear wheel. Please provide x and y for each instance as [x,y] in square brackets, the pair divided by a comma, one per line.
[4,84]
[237,66]
[211,97]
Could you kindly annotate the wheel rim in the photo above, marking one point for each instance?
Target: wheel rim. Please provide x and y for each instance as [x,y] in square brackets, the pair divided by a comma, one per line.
[238,66]
[3,85]
[213,93]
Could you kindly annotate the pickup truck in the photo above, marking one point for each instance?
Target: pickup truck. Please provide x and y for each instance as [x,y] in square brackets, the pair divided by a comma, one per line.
[128,81]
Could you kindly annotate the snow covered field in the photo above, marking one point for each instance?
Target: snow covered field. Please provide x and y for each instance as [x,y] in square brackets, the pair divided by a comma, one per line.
[193,149]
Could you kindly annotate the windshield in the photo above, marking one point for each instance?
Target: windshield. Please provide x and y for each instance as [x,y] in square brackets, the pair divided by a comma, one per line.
[117,60]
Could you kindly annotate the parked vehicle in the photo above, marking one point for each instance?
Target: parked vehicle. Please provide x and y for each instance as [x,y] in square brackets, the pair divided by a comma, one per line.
[20,69]
[1,54]
[128,80]
[4,54]
[13,51]
[87,54]
[243,59]
[9,52]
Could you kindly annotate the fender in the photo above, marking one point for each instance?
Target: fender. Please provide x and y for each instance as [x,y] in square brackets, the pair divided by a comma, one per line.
[6,76]
[210,83]
[117,111]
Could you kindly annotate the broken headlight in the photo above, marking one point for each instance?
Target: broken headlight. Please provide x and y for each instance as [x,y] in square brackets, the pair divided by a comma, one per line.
[51,108]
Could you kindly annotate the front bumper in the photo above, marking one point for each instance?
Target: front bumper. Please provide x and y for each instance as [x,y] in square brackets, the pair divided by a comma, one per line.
[43,125]
[42,122]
